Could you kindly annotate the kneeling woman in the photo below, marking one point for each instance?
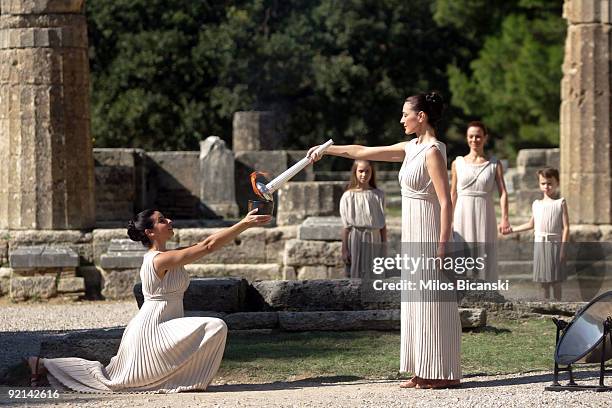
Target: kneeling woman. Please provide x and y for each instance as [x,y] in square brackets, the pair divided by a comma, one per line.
[161,350]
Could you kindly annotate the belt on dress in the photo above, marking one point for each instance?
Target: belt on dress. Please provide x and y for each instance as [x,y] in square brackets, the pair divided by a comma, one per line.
[419,195]
[165,297]
[545,236]
[472,193]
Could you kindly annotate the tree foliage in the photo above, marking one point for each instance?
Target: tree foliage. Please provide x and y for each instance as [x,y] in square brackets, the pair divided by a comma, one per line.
[167,74]
[514,83]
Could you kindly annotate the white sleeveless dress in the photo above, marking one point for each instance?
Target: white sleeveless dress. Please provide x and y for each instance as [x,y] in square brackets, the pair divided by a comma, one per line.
[430,329]
[363,212]
[474,220]
[160,350]
[548,232]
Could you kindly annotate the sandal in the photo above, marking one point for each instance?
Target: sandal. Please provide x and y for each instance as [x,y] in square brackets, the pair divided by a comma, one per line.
[411,383]
[35,377]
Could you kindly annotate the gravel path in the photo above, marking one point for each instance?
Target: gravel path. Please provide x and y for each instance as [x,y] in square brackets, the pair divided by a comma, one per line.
[497,391]
[22,327]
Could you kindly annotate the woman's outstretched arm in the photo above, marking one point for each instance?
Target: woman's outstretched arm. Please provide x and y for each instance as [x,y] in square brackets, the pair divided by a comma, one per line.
[180,257]
[391,153]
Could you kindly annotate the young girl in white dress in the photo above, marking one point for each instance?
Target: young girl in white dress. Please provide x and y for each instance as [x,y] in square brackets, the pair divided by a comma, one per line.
[550,221]
[362,209]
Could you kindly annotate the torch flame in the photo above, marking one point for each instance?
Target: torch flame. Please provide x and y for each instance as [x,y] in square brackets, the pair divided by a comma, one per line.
[254,175]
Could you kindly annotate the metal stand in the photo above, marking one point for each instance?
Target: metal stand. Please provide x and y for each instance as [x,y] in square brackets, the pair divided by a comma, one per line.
[571,385]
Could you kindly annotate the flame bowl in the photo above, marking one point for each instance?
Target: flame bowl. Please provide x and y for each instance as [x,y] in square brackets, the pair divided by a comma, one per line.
[264,207]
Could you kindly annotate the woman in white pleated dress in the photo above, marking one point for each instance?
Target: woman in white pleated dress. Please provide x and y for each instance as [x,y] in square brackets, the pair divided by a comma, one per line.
[474,180]
[161,350]
[430,329]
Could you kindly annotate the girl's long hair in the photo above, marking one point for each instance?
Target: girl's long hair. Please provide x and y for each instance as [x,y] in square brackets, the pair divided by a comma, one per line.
[353,183]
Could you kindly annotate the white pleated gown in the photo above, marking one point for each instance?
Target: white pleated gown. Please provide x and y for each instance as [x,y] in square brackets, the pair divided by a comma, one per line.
[548,232]
[474,220]
[161,350]
[430,330]
[363,213]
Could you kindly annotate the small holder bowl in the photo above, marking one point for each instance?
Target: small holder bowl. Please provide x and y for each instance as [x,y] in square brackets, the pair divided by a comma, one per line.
[264,207]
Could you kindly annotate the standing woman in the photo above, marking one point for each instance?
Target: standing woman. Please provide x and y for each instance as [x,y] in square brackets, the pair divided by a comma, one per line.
[474,178]
[430,330]
[161,350]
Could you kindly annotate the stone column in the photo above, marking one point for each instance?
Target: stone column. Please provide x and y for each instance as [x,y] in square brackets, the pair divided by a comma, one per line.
[256,130]
[586,132]
[46,159]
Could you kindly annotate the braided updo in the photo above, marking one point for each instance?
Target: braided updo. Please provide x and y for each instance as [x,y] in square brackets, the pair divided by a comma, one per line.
[136,227]
[431,103]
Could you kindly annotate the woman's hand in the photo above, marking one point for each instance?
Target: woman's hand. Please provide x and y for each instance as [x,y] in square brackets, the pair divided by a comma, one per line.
[314,157]
[252,220]
[504,227]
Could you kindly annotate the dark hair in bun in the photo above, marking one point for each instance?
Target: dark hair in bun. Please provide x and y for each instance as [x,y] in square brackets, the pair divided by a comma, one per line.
[431,103]
[137,226]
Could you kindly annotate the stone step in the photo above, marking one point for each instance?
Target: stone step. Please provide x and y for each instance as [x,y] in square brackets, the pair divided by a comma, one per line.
[250,272]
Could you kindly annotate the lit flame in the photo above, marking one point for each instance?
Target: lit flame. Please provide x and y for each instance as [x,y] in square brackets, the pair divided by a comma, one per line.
[262,178]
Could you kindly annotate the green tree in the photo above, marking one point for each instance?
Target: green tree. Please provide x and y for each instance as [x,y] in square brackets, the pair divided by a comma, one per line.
[514,83]
[167,74]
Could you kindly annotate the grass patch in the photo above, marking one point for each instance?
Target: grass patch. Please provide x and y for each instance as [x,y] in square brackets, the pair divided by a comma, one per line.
[505,346]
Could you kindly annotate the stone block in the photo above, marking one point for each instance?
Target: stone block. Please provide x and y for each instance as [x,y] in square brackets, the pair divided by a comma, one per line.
[173,181]
[248,247]
[250,272]
[311,295]
[251,320]
[312,253]
[531,158]
[312,272]
[362,320]
[71,285]
[340,320]
[43,257]
[587,11]
[321,229]
[41,6]
[115,184]
[275,242]
[93,344]
[119,284]
[78,241]
[33,287]
[101,240]
[473,318]
[299,200]
[524,201]
[217,190]
[289,273]
[211,294]
[123,254]
[256,130]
